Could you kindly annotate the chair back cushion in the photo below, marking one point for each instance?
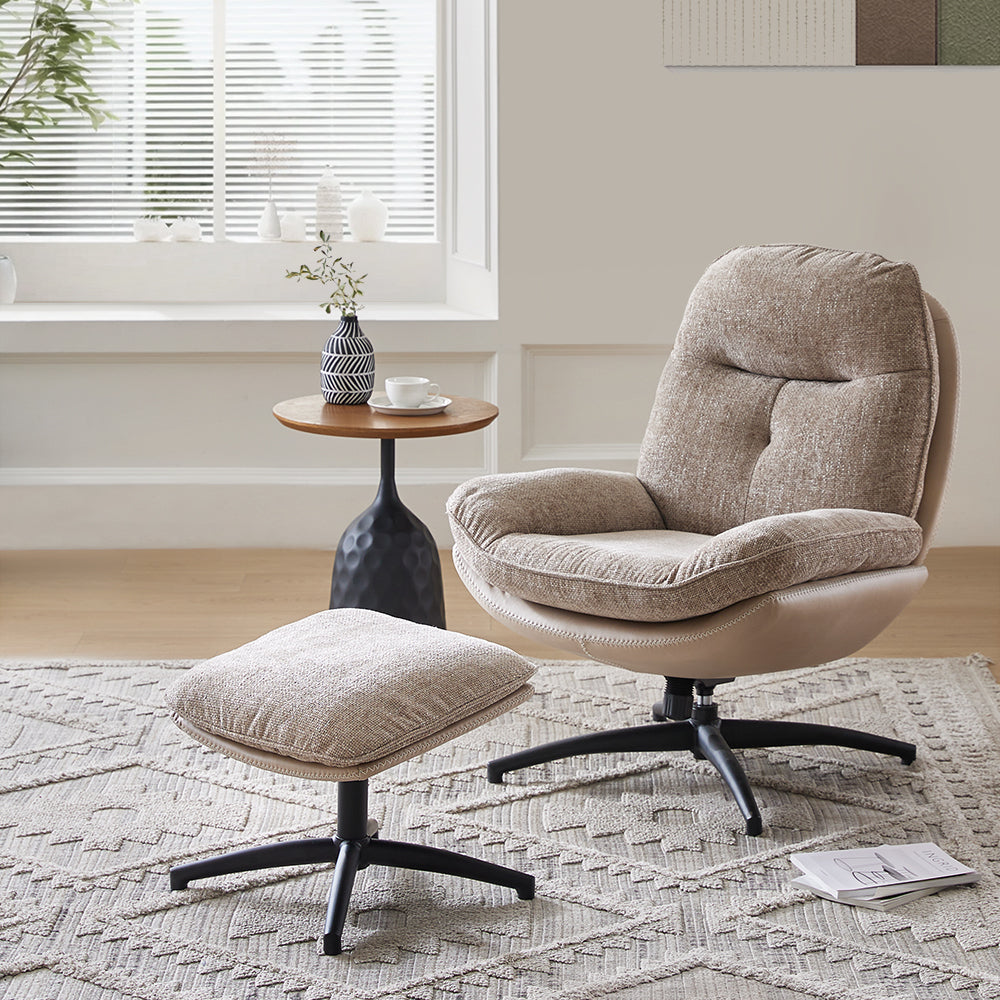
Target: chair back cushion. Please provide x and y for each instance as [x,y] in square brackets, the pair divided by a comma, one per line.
[801,378]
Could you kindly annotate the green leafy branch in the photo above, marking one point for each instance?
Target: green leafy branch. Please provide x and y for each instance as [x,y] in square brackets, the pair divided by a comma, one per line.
[46,75]
[337,272]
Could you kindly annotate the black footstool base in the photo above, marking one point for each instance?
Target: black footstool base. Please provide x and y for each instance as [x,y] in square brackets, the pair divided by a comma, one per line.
[355,846]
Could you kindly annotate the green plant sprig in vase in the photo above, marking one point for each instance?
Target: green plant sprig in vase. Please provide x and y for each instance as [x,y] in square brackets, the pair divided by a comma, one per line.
[347,367]
[336,271]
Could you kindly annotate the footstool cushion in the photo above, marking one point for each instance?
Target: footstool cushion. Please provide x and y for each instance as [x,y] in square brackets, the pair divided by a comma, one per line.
[344,694]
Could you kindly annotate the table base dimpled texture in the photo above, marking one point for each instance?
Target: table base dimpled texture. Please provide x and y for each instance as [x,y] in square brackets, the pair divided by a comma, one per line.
[388,561]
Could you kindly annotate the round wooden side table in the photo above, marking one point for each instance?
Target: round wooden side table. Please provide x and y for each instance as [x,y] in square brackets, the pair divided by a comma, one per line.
[387,559]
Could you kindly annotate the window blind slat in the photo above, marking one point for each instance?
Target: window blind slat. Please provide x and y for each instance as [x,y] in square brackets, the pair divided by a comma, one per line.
[346,83]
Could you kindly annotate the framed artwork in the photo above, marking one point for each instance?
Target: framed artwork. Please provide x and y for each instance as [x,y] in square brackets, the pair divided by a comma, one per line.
[831,32]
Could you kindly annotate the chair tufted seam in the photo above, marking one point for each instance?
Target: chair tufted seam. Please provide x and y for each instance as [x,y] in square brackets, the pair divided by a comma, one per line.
[760,454]
[697,361]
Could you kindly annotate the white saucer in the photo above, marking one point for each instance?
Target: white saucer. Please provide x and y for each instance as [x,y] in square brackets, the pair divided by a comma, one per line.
[380,403]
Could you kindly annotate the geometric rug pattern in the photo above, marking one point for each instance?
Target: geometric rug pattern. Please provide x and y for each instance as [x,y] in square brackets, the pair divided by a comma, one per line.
[646,886]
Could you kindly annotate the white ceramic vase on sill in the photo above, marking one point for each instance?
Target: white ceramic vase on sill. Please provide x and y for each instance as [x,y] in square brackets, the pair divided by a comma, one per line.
[329,207]
[269,225]
[8,280]
[368,216]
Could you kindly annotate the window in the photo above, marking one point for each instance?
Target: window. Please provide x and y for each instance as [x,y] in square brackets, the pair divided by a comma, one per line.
[219,102]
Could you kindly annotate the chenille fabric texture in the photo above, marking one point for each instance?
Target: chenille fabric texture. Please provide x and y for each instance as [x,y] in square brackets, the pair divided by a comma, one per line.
[349,689]
[787,443]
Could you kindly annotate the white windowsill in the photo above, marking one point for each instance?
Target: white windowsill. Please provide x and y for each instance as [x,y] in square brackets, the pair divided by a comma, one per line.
[227,312]
[51,329]
[216,273]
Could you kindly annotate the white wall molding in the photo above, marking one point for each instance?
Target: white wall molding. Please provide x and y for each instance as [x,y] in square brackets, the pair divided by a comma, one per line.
[486,359]
[111,444]
[584,454]
[100,359]
[215,476]
[491,391]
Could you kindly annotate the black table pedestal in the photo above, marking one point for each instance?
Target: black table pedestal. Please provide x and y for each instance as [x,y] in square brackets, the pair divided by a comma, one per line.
[387,559]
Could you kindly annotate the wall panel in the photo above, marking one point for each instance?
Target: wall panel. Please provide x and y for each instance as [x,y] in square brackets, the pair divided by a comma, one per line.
[587,403]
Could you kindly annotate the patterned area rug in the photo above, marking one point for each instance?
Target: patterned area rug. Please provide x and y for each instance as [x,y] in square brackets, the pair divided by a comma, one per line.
[646,886]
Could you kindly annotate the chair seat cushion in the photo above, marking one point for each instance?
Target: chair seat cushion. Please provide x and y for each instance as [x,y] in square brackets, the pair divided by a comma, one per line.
[349,690]
[664,576]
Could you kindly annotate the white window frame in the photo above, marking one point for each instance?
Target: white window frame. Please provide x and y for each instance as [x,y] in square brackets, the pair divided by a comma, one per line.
[456,269]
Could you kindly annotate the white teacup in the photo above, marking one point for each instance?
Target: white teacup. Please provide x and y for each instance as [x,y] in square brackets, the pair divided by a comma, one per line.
[409,390]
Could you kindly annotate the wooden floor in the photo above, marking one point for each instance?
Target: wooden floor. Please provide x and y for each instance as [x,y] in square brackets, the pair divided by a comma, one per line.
[191,604]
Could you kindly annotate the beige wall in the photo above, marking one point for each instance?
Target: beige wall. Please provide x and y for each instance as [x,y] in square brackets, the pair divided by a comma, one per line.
[620,180]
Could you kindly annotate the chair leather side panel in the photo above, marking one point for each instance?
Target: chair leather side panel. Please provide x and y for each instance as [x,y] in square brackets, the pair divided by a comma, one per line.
[798,627]
[945,424]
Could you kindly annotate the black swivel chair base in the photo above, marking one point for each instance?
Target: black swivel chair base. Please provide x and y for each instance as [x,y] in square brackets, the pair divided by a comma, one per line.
[708,737]
[355,846]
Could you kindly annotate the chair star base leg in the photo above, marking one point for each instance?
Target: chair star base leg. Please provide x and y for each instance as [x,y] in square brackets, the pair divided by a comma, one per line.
[746,733]
[707,738]
[658,736]
[716,751]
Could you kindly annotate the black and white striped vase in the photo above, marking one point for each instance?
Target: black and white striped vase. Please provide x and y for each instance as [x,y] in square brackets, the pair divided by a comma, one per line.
[347,373]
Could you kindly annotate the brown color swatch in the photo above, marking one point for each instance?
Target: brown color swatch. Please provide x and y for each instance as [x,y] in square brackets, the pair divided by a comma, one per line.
[896,32]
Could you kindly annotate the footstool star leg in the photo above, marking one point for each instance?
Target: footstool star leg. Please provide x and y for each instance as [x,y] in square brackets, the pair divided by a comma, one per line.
[348,861]
[316,850]
[395,854]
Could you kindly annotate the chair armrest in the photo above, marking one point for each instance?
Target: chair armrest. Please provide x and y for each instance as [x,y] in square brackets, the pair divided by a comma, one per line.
[551,502]
[787,549]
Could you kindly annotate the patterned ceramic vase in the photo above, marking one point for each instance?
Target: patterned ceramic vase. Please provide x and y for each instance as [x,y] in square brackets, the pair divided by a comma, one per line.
[347,374]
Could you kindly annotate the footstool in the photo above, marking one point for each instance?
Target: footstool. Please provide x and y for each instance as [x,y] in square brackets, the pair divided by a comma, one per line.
[341,696]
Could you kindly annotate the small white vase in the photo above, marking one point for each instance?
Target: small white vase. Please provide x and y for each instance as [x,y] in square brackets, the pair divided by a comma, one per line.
[329,207]
[185,231]
[150,230]
[269,225]
[293,227]
[8,280]
[367,215]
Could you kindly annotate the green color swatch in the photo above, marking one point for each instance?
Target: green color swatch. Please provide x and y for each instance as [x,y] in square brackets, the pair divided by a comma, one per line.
[969,32]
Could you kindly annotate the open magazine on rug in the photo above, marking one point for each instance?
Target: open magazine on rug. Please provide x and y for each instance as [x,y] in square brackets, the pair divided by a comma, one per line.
[883,877]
